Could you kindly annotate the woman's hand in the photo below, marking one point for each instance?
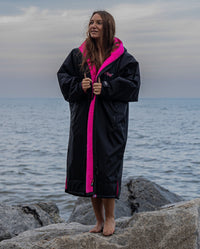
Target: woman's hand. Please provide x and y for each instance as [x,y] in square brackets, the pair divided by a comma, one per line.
[86,83]
[97,87]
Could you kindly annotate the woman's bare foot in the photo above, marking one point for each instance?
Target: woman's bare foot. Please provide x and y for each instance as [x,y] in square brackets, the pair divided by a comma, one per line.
[98,228]
[109,227]
[97,204]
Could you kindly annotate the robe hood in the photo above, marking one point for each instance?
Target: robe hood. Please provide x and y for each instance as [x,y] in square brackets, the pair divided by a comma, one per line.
[115,54]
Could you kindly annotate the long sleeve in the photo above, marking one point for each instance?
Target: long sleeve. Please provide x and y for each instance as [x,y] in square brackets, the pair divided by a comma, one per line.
[70,78]
[125,86]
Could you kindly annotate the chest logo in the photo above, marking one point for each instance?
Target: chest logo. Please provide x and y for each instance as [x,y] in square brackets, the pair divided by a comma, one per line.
[108,74]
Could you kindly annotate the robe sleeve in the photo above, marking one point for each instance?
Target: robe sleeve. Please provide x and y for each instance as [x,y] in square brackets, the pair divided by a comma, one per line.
[125,86]
[70,79]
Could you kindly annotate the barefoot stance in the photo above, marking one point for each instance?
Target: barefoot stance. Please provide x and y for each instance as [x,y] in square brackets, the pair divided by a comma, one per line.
[97,229]
[109,227]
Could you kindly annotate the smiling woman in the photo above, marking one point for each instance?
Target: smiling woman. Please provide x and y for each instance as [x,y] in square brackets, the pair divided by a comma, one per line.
[98,79]
[101,29]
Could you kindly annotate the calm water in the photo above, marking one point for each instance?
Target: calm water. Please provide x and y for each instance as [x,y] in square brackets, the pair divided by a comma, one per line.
[163,146]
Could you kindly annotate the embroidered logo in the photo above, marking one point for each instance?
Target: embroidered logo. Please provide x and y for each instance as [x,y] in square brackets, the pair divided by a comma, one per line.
[108,74]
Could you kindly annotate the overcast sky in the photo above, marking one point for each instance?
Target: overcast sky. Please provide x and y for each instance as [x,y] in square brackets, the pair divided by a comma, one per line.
[36,36]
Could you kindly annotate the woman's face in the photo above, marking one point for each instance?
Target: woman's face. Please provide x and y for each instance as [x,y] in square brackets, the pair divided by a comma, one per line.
[96,26]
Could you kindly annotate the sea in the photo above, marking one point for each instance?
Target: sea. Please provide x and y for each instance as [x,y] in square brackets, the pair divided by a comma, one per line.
[163,146]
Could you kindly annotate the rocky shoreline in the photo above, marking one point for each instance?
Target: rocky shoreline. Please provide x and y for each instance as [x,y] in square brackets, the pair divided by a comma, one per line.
[147,217]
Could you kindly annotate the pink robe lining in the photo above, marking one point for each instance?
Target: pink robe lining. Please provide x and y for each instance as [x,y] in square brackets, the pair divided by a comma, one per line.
[89,161]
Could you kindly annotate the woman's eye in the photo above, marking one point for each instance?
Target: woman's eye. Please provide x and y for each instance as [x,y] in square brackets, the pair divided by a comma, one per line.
[97,22]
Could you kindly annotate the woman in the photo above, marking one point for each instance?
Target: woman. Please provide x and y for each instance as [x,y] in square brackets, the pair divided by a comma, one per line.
[98,79]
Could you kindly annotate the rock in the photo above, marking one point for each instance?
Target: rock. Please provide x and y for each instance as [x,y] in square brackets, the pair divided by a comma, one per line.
[144,195]
[16,219]
[137,195]
[173,227]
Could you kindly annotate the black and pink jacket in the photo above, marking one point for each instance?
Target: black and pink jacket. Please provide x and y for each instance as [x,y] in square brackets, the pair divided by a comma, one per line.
[98,124]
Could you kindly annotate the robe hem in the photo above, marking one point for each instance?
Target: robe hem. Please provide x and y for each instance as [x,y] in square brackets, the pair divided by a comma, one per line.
[90,195]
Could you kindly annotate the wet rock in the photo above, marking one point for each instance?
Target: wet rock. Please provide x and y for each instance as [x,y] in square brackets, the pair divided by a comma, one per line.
[137,195]
[16,219]
[176,226]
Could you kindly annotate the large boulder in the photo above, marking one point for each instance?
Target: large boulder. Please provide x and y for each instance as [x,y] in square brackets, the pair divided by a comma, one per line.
[17,219]
[172,227]
[137,195]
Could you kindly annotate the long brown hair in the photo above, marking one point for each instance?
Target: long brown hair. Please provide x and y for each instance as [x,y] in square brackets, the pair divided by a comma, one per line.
[91,50]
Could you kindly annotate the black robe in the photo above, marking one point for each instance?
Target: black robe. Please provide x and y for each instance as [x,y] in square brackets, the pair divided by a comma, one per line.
[108,126]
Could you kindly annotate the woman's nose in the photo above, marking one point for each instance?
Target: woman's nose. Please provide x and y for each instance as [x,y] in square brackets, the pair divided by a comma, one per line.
[93,25]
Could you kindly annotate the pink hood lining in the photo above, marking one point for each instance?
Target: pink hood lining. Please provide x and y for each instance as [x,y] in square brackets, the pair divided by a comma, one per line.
[119,50]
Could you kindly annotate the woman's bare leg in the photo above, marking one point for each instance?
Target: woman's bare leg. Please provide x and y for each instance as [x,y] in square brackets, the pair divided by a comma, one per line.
[109,225]
[97,204]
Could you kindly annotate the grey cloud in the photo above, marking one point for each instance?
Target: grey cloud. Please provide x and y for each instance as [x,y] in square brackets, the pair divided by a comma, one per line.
[34,43]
